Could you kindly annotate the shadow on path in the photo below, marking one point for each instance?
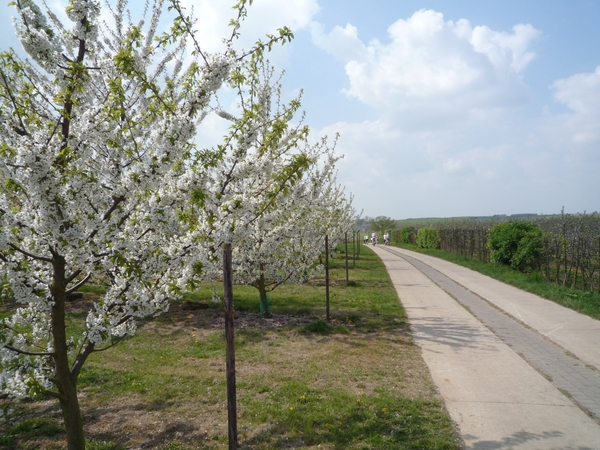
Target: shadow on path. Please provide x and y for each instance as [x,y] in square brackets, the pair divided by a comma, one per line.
[448,332]
[516,439]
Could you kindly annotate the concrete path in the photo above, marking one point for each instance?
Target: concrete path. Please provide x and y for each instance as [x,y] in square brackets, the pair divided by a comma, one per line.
[516,371]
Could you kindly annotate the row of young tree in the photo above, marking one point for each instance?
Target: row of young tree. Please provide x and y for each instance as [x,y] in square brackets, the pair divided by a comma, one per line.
[103,182]
[564,248]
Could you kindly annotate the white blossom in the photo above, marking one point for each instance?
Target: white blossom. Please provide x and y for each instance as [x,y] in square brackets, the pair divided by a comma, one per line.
[103,184]
[96,136]
[278,195]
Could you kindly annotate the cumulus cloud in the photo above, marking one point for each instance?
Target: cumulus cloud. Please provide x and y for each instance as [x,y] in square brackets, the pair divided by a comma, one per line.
[343,43]
[434,71]
[502,48]
[264,16]
[581,94]
[572,138]
[449,136]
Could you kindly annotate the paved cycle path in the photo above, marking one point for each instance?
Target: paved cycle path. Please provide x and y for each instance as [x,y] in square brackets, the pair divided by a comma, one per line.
[516,371]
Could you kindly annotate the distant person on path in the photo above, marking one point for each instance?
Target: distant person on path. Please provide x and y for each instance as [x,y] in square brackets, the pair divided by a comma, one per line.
[373,237]
[366,239]
[386,238]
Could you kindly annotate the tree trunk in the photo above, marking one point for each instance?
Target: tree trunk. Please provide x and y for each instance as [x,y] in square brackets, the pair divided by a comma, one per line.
[65,382]
[264,301]
[72,416]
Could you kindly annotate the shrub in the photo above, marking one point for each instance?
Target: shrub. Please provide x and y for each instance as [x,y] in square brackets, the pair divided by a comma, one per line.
[519,245]
[428,238]
[408,235]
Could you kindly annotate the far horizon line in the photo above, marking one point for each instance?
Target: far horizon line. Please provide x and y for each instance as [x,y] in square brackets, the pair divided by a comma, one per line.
[484,216]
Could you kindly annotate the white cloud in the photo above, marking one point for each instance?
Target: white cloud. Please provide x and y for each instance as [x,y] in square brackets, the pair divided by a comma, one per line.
[441,174]
[343,43]
[502,48]
[264,16]
[211,131]
[478,164]
[434,72]
[574,136]
[580,92]
[449,136]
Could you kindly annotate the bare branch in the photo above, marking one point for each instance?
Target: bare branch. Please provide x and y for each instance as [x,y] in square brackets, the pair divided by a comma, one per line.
[22,131]
[30,255]
[81,283]
[23,352]
[80,360]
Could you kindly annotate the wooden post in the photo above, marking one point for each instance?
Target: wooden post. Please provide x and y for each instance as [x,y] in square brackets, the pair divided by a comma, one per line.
[354,249]
[327,278]
[346,240]
[230,351]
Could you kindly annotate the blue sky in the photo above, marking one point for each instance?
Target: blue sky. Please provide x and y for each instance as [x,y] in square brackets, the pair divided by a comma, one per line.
[444,108]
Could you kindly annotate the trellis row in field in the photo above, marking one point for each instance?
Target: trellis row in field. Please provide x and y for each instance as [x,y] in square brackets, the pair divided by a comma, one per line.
[571,254]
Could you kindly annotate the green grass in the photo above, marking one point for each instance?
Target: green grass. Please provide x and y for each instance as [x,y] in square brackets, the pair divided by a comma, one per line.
[101,445]
[369,295]
[356,382]
[380,421]
[585,302]
[28,429]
